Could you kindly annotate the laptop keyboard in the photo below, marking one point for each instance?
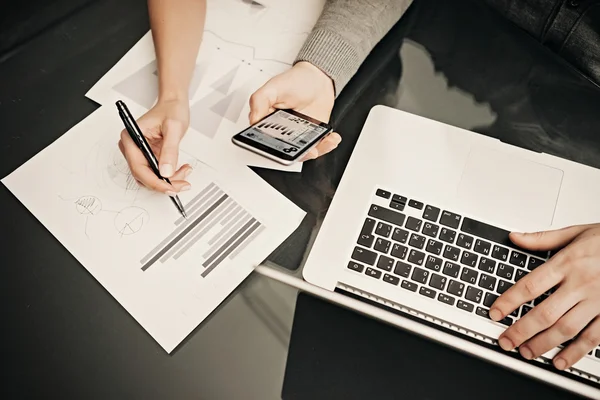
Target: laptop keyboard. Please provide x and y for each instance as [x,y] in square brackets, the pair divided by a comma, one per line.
[453,259]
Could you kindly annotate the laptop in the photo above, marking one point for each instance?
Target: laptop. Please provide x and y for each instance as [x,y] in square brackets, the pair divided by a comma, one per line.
[419,226]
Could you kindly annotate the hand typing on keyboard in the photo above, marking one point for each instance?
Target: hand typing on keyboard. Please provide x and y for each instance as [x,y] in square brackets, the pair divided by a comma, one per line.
[572,311]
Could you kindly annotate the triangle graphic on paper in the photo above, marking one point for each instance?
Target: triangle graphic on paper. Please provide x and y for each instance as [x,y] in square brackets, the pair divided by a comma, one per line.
[202,118]
[231,106]
[142,86]
[223,84]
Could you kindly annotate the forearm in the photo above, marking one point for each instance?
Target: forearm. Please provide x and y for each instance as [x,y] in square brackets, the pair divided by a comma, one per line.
[177,27]
[346,33]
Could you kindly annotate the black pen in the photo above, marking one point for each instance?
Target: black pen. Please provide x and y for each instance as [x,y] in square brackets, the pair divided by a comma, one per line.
[136,135]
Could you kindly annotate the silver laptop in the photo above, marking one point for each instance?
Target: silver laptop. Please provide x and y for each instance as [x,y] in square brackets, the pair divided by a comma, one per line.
[420,222]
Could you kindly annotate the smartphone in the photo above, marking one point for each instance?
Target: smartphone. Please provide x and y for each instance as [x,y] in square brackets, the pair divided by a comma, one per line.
[283,136]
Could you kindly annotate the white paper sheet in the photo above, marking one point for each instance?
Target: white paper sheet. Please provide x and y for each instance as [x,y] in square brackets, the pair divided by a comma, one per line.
[169,274]
[245,43]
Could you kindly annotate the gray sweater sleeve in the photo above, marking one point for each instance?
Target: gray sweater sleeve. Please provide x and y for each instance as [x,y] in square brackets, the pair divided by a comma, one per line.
[345,34]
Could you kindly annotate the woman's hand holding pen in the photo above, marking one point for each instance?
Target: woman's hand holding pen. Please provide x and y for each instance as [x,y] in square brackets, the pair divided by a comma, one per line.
[164,126]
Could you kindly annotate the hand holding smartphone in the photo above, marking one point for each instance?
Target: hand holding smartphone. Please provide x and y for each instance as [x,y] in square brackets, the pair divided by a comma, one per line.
[284,136]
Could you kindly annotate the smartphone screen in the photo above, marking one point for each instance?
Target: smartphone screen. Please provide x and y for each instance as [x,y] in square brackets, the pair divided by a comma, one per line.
[285,134]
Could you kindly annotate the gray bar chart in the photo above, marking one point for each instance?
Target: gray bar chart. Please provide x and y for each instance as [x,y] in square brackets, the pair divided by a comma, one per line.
[216,223]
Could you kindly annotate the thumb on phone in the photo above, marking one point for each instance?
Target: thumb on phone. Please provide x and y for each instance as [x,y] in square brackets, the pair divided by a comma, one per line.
[172,132]
[263,102]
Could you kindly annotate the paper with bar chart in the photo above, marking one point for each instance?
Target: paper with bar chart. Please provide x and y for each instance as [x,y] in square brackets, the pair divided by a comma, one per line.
[245,43]
[169,273]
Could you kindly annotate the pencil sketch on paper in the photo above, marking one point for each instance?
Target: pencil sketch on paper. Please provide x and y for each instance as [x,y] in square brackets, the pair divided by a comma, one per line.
[108,168]
[130,220]
[127,221]
[88,205]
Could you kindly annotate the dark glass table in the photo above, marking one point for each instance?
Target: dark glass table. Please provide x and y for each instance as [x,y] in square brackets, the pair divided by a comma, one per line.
[64,335]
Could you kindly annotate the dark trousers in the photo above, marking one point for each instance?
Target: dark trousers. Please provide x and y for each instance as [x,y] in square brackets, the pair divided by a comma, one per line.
[571,28]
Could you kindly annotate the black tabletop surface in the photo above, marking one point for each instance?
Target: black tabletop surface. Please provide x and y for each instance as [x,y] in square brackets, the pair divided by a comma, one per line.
[64,335]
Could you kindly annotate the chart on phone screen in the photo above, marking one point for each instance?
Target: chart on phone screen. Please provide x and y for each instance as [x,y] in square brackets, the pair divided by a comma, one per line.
[244,44]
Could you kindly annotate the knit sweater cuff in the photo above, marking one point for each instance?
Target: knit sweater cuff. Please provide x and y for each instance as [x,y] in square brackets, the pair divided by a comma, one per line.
[329,52]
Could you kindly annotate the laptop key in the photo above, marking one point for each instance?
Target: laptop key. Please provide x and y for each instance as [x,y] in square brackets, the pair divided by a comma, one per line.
[437,281]
[469,275]
[382,245]
[451,269]
[491,233]
[500,253]
[464,241]
[447,235]
[503,286]
[383,193]
[402,269]
[400,235]
[486,231]
[450,219]
[385,263]
[368,227]
[597,353]
[409,285]
[415,204]
[505,271]
[387,215]
[399,251]
[489,299]
[416,257]
[469,259]
[482,312]
[396,206]
[456,288]
[366,240]
[463,305]
[373,273]
[425,291]
[534,263]
[517,259]
[474,294]
[482,247]
[413,224]
[434,247]
[431,213]
[420,275]
[487,282]
[383,229]
[399,199]
[354,266]
[364,256]
[433,263]
[487,265]
[451,253]
[444,298]
[506,321]
[417,241]
[394,280]
[519,273]
[430,229]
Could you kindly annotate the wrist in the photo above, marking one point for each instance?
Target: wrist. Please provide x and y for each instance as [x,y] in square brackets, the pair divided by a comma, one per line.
[324,81]
[173,94]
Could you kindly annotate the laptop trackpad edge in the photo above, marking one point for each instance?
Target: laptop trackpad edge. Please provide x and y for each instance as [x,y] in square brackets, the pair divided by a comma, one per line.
[512,191]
